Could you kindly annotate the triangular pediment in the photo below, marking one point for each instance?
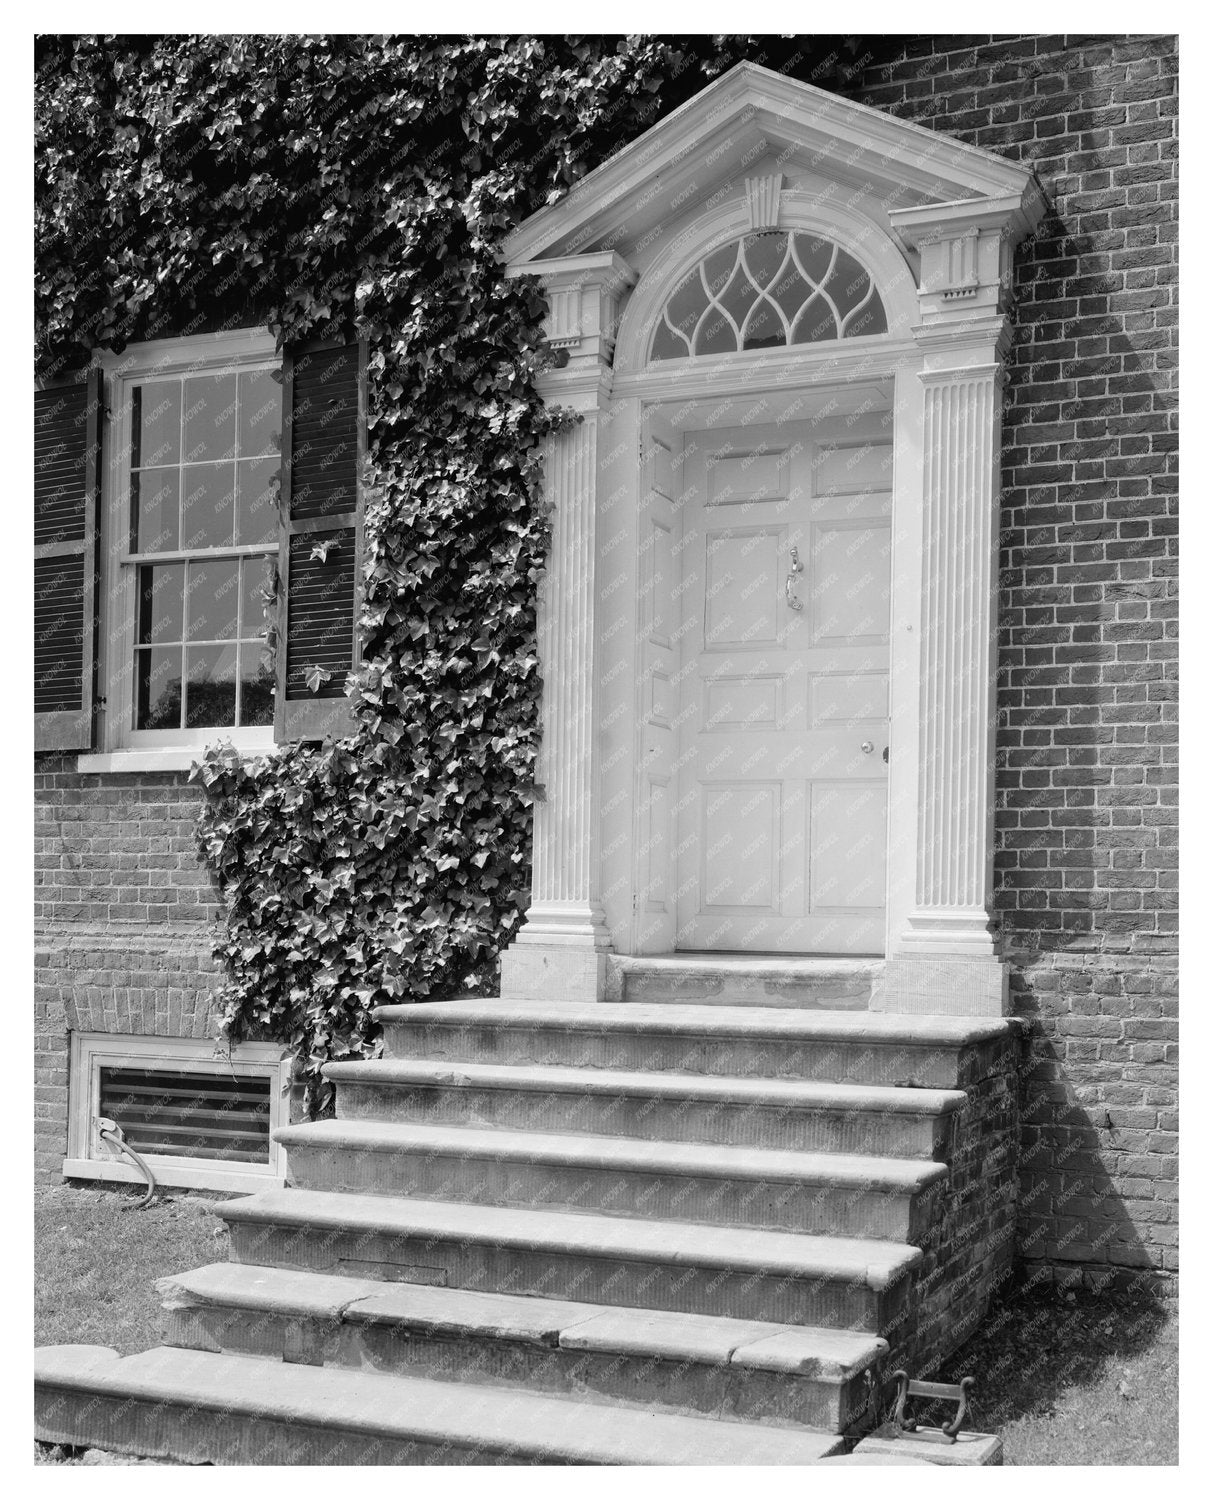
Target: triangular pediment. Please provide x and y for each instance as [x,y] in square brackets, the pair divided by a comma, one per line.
[749,122]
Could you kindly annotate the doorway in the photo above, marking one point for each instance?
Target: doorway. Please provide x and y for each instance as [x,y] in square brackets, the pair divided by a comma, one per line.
[782,583]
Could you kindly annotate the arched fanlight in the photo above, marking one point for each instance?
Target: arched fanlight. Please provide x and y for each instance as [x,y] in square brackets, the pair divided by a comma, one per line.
[769,291]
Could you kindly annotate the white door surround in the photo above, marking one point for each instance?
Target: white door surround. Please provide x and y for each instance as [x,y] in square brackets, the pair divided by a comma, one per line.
[934,225]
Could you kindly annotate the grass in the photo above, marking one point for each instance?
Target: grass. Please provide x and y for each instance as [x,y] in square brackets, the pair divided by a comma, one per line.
[1063,1377]
[95,1262]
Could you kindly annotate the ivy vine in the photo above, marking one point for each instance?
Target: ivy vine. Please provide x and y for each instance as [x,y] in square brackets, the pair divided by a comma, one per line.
[299,183]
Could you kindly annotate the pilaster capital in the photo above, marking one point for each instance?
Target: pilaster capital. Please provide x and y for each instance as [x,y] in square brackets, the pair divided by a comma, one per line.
[965,251]
[583,386]
[585,295]
[963,347]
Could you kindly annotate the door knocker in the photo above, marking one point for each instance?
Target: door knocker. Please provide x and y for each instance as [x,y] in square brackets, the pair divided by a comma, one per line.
[797,567]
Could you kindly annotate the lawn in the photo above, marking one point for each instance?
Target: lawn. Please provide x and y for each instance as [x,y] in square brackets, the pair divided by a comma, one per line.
[1072,1378]
[1064,1378]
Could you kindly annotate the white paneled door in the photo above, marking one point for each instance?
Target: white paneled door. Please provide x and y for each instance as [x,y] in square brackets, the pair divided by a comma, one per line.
[783,568]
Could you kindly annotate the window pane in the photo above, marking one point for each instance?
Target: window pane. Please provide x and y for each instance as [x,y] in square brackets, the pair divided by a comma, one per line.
[257,684]
[260,419]
[161,601]
[255,572]
[213,596]
[211,686]
[156,505]
[256,505]
[158,688]
[209,509]
[210,418]
[156,424]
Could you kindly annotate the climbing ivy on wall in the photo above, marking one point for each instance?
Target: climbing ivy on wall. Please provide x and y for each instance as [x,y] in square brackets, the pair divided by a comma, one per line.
[304,183]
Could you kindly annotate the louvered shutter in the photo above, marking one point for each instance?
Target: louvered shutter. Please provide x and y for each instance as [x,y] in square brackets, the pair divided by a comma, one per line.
[320,554]
[67,473]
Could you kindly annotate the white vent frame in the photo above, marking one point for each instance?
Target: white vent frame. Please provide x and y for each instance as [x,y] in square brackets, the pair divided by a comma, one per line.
[90,1158]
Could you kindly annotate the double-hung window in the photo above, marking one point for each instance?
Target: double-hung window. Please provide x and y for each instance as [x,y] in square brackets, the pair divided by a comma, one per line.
[180,487]
[193,526]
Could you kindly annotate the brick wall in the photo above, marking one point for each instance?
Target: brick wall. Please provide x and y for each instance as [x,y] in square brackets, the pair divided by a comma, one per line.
[124,915]
[1087,799]
[1087,772]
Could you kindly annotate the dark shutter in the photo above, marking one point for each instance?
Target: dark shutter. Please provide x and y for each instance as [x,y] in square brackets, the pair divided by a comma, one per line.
[319,559]
[67,473]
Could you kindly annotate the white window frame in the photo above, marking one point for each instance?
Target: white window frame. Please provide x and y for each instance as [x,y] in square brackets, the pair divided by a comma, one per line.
[122,747]
[90,1157]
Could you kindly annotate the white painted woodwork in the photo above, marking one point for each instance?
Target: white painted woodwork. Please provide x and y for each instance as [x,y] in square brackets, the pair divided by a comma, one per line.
[781,814]
[935,224]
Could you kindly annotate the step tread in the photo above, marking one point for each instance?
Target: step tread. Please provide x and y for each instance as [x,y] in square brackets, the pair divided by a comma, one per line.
[878,1263]
[490,1418]
[741,1021]
[773,1092]
[834,1354]
[620,1153]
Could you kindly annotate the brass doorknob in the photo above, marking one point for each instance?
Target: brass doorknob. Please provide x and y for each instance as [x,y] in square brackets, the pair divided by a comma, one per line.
[867,747]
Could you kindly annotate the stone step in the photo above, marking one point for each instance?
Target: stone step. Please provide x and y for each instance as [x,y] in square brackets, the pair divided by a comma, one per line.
[199,1407]
[785,1113]
[754,1371]
[841,1046]
[710,979]
[863,1197]
[771,1275]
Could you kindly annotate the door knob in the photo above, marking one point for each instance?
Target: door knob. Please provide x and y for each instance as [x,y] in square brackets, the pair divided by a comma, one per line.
[867,747]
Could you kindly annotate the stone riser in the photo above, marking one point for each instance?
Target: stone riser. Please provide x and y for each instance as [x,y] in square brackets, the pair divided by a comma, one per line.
[841,994]
[923,1137]
[805,1208]
[569,1273]
[154,1428]
[861,1062]
[199,1407]
[640,1381]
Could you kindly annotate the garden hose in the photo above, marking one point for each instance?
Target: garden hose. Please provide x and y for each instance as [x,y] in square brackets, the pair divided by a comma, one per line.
[111,1130]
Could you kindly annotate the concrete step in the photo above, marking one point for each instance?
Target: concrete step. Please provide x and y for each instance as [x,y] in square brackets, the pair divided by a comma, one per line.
[756,1371]
[841,1046]
[226,1409]
[712,979]
[769,1275]
[785,1113]
[863,1197]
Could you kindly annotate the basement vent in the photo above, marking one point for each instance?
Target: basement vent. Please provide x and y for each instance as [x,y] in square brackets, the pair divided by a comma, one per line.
[200,1119]
[189,1114]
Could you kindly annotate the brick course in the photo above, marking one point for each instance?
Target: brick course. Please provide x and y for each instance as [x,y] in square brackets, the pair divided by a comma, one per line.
[1087,817]
[125,914]
[1086,865]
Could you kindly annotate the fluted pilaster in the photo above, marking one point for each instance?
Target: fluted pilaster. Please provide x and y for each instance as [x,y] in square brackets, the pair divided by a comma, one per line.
[564,899]
[956,773]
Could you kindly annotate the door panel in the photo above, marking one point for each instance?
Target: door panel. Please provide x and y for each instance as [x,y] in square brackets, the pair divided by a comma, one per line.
[782,545]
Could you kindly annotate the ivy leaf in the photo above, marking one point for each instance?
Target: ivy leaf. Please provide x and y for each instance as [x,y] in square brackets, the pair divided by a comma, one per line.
[316,677]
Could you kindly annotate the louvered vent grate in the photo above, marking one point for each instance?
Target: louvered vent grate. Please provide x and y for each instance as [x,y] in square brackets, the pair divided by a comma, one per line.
[214,1116]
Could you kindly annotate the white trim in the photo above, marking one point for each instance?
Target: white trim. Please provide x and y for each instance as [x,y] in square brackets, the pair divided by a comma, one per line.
[183,758]
[88,1157]
[118,741]
[868,241]
[239,346]
[754,102]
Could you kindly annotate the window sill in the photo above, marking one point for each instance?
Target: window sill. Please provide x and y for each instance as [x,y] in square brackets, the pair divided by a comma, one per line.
[181,759]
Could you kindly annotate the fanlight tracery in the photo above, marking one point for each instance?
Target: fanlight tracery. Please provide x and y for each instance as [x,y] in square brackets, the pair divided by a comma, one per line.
[768,291]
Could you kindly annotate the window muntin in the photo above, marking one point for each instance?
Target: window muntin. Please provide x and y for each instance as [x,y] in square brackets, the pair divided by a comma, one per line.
[201,481]
[774,289]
